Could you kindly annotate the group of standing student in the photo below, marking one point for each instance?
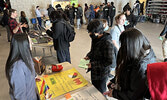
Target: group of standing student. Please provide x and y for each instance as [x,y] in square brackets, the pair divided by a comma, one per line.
[134,54]
[104,11]
[9,21]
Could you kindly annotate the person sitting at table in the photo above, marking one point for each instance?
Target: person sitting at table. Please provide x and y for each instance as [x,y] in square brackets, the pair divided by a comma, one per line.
[20,70]
[133,56]
[100,55]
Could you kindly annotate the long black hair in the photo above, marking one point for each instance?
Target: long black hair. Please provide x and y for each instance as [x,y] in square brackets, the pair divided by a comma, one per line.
[133,48]
[20,49]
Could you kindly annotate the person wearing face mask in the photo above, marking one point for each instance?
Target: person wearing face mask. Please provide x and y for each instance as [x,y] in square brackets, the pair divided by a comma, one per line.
[100,54]
[131,19]
[115,34]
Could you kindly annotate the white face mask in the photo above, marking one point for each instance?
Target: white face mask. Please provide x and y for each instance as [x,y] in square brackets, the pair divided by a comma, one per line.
[106,28]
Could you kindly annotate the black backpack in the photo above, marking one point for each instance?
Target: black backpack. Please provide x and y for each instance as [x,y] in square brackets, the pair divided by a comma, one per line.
[70,32]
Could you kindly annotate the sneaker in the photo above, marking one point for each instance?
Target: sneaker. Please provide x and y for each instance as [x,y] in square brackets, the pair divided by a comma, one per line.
[165,60]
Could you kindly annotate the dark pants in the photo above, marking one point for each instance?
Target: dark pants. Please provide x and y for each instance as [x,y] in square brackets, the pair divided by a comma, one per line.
[8,33]
[111,20]
[107,19]
[63,56]
[72,21]
[39,20]
[100,84]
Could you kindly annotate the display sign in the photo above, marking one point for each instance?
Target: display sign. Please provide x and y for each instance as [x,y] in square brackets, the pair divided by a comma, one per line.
[74,1]
[61,83]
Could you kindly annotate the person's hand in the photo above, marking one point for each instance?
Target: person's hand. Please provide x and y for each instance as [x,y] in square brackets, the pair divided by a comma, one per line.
[86,58]
[109,93]
[111,85]
[37,79]
[160,37]
[24,25]
[89,65]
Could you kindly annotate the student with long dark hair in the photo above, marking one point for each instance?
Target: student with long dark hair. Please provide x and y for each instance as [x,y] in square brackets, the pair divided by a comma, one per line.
[20,70]
[133,56]
[24,20]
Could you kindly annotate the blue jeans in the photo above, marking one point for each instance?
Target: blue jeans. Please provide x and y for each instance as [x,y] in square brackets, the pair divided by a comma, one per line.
[63,56]
[39,20]
[100,84]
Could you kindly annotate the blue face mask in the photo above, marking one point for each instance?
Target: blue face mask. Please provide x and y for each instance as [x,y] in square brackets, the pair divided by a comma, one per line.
[106,28]
[126,23]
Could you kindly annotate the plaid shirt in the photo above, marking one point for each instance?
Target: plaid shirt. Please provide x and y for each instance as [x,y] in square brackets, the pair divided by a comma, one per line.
[12,25]
[101,56]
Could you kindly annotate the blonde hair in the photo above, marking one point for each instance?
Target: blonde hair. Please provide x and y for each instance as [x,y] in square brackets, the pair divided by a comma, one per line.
[118,16]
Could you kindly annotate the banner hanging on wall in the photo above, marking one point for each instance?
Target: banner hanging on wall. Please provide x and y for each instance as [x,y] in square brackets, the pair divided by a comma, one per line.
[74,1]
[63,3]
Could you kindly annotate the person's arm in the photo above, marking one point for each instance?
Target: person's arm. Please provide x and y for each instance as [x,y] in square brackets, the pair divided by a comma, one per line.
[57,29]
[137,87]
[27,20]
[164,31]
[115,44]
[15,30]
[18,83]
[19,19]
[113,34]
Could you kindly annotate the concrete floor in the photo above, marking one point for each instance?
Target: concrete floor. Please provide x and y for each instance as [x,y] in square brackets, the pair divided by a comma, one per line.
[79,48]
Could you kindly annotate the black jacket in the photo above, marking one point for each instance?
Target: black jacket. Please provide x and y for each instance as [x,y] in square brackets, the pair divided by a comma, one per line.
[164,32]
[133,80]
[58,34]
[101,55]
[132,21]
[106,11]
[112,11]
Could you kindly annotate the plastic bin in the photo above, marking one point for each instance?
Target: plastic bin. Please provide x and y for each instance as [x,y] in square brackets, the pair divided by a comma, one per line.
[33,20]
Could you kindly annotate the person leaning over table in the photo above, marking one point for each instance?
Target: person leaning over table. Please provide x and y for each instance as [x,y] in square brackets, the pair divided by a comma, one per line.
[133,56]
[20,70]
[58,33]
[100,54]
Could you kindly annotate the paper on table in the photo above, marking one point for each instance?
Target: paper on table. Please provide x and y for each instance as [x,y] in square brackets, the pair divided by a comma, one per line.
[83,63]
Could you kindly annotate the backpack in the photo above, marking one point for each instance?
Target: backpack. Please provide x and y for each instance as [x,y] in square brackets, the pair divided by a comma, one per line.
[70,32]
[87,13]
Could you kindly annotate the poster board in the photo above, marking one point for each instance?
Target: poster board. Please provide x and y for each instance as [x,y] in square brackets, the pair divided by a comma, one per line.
[62,82]
[63,3]
[74,1]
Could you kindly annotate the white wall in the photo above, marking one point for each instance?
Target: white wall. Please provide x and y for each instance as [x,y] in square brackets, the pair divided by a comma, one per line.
[29,5]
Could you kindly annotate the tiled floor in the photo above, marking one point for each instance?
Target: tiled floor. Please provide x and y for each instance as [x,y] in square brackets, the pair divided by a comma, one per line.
[79,48]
